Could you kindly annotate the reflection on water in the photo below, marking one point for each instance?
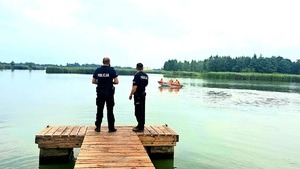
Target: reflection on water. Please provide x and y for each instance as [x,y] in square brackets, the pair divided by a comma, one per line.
[222,124]
[165,164]
[70,165]
[169,89]
[252,85]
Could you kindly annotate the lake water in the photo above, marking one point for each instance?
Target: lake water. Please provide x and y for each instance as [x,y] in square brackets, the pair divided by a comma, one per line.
[222,124]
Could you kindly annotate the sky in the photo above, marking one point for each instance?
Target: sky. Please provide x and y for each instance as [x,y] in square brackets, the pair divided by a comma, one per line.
[151,32]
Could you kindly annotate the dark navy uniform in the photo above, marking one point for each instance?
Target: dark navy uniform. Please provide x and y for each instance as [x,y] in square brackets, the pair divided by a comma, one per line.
[141,81]
[105,94]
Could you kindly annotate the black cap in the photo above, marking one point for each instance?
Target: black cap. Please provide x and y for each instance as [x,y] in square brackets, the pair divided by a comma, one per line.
[139,66]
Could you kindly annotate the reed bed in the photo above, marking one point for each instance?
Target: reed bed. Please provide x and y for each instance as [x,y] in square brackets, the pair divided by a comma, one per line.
[237,76]
[91,70]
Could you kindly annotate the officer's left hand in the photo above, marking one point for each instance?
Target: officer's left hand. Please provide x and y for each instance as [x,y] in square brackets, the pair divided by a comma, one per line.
[130,97]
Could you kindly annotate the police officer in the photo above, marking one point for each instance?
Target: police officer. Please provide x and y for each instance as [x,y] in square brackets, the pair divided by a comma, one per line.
[140,82]
[105,76]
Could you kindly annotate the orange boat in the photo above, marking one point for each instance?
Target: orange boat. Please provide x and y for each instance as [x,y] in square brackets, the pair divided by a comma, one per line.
[171,85]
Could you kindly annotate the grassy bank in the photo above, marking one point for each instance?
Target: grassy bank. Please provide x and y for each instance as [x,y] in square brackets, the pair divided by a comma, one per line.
[90,70]
[204,75]
[237,76]
[21,67]
[253,76]
[182,74]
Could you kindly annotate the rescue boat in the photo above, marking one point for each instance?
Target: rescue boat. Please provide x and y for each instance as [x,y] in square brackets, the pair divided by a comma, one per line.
[171,85]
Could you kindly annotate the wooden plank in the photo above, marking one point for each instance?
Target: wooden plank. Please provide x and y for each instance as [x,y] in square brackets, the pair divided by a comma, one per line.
[50,132]
[169,129]
[74,131]
[82,166]
[61,145]
[59,131]
[43,132]
[146,132]
[157,139]
[154,143]
[176,136]
[82,131]
[67,131]
[121,149]
[158,130]
[58,139]
[167,132]
[152,131]
[98,166]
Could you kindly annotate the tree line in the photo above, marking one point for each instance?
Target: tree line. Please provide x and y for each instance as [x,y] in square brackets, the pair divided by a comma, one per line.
[238,64]
[22,66]
[33,66]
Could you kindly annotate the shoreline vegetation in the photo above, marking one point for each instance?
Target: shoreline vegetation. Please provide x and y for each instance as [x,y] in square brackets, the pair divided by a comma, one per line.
[276,69]
[247,76]
[274,77]
[91,70]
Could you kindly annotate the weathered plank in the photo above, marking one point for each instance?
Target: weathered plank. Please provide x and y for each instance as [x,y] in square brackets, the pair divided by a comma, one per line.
[44,131]
[59,131]
[158,130]
[175,135]
[74,131]
[151,131]
[82,131]
[67,131]
[50,132]
[121,149]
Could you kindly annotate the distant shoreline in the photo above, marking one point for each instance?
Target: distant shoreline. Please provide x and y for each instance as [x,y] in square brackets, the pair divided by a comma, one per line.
[274,77]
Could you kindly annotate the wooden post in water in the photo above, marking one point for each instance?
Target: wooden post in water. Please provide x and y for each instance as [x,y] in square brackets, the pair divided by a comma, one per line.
[161,152]
[55,155]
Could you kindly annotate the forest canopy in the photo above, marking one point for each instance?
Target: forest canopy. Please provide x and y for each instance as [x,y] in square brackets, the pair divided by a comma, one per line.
[238,64]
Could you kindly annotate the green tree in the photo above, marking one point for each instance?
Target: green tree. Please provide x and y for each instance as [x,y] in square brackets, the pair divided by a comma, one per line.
[171,65]
[296,67]
[12,64]
[285,66]
[241,63]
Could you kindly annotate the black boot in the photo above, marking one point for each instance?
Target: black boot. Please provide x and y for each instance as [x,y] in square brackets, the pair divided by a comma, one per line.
[97,129]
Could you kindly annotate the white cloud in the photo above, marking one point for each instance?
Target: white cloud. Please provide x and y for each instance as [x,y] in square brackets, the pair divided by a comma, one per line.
[54,13]
[197,28]
[217,23]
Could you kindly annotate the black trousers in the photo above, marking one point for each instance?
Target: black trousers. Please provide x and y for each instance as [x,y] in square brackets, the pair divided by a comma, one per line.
[139,105]
[103,98]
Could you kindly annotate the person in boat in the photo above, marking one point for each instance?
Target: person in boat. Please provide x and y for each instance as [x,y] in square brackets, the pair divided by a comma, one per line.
[170,81]
[177,82]
[140,81]
[161,80]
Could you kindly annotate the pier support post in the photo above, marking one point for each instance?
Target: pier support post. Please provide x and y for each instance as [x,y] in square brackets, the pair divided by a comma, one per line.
[55,155]
[165,152]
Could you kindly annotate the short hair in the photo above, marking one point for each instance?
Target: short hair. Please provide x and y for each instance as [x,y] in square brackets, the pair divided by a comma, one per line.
[139,66]
[106,60]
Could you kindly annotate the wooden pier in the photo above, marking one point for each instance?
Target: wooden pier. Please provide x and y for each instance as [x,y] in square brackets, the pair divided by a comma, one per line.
[122,149]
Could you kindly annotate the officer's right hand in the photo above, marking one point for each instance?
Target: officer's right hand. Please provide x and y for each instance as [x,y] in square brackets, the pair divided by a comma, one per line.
[130,97]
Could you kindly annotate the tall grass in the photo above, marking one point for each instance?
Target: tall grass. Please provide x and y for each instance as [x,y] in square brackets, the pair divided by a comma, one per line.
[91,70]
[181,74]
[252,76]
[237,76]
[78,70]
[21,67]
[204,75]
